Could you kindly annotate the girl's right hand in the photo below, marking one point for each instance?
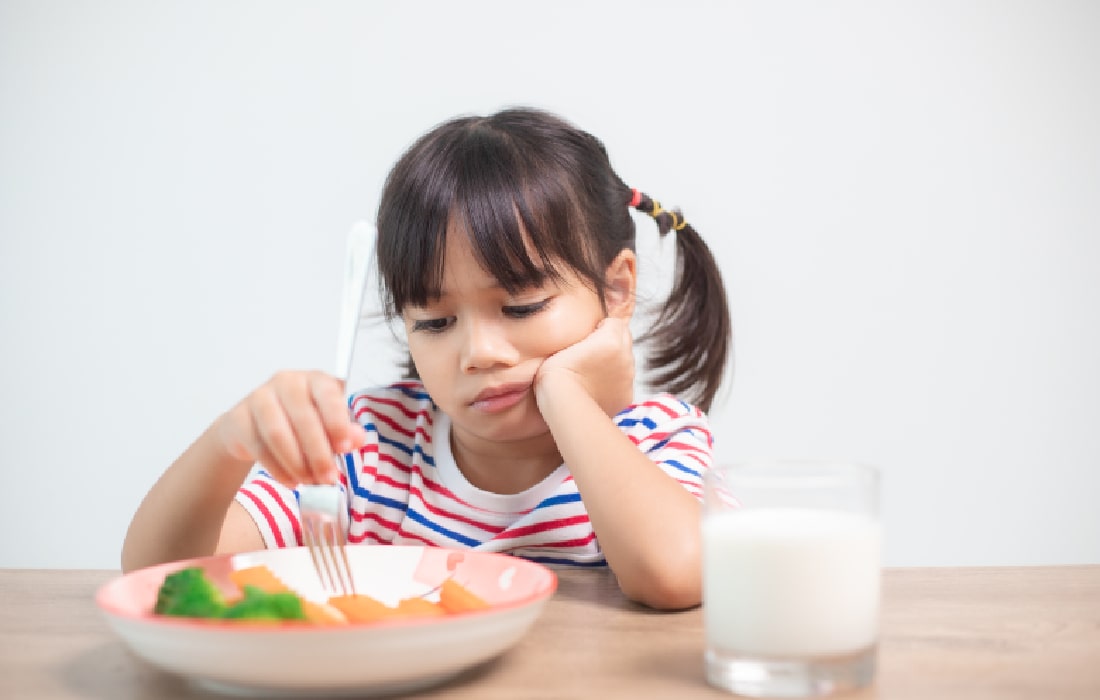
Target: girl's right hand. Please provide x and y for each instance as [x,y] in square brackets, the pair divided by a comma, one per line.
[292,424]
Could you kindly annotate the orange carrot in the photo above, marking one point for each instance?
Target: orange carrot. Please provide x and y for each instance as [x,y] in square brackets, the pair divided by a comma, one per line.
[259,576]
[418,607]
[362,608]
[265,579]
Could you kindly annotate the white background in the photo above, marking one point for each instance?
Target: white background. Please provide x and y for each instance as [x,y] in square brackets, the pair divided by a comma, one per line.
[904,197]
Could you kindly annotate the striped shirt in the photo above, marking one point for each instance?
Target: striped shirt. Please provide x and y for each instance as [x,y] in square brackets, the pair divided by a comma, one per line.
[404,486]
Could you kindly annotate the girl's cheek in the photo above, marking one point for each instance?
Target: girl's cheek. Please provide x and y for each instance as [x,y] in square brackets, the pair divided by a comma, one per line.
[562,327]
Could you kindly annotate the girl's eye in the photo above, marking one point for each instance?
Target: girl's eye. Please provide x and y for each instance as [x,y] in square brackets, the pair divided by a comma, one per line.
[432,325]
[525,310]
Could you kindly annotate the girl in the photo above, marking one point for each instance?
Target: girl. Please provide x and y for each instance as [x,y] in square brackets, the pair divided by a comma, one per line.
[506,247]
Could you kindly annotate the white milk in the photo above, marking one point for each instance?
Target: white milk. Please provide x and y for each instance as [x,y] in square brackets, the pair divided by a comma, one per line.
[790,582]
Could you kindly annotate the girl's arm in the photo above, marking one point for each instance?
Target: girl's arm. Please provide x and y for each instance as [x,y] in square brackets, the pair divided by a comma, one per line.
[292,424]
[646,522]
[184,514]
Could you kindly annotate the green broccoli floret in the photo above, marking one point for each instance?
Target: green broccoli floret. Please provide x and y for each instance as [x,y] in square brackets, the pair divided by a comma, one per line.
[189,593]
[260,605]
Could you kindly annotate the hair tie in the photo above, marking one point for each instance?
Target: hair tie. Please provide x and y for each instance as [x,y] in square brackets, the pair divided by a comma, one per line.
[636,197]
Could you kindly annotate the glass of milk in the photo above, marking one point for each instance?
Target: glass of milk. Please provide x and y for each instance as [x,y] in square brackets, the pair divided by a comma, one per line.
[791,577]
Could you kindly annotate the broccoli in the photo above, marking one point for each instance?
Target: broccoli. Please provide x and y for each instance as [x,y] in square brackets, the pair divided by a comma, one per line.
[189,593]
[258,605]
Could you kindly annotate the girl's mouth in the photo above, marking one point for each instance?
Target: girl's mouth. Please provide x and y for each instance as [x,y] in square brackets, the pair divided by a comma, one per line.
[500,398]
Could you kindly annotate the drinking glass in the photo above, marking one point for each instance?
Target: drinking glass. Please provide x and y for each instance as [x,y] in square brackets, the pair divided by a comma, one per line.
[791,577]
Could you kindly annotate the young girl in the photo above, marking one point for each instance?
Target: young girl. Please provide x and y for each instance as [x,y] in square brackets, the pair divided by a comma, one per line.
[506,247]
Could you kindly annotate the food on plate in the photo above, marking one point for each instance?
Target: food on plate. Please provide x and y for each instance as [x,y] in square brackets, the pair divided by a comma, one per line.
[265,579]
[190,593]
[264,597]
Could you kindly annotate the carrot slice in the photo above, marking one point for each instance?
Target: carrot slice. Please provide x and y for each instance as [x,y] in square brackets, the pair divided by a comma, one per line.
[265,579]
[455,598]
[259,576]
[418,607]
[323,613]
[362,608]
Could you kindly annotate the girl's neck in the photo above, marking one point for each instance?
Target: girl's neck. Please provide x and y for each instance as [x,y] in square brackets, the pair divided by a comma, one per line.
[504,467]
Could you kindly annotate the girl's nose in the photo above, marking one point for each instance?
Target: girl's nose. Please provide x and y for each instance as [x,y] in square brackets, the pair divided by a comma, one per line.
[485,345]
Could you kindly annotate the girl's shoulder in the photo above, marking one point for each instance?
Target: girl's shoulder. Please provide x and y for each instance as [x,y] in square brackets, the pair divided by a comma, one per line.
[662,408]
[666,420]
[661,415]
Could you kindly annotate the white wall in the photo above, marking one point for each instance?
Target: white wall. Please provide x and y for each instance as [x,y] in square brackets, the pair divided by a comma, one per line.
[904,198]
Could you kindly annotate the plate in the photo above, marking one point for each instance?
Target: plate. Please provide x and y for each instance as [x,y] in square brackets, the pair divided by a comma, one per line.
[377,658]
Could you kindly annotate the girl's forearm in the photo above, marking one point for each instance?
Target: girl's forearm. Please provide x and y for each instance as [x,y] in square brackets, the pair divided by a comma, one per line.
[647,524]
[182,515]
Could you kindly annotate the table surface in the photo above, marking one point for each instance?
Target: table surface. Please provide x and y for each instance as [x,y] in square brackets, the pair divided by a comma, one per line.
[1027,632]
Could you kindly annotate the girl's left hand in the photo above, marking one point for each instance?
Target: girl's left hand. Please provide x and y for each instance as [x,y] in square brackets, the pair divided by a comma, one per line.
[602,364]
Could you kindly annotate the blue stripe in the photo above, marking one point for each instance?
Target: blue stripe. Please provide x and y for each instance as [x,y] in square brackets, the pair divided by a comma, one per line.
[567,562]
[681,467]
[631,422]
[435,527]
[659,445]
[558,500]
[411,451]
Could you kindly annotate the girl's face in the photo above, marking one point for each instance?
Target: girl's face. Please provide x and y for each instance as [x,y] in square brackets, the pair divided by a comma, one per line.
[477,348]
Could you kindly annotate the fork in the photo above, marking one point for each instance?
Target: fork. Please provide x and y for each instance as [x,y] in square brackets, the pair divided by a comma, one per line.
[323,507]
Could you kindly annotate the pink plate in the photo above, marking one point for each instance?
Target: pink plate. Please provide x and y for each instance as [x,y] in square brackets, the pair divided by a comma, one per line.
[355,659]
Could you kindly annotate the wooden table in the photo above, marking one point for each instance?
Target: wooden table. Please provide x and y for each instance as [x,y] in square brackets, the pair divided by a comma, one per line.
[946,633]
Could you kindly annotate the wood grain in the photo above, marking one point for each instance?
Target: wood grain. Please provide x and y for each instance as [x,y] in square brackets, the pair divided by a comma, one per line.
[968,633]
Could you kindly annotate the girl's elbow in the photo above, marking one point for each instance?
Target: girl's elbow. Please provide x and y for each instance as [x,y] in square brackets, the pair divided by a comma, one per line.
[665,590]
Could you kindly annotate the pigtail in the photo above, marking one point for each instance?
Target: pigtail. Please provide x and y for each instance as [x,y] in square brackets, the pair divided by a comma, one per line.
[691,335]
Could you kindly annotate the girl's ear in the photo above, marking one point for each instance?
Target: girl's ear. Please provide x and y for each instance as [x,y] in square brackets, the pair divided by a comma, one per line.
[621,279]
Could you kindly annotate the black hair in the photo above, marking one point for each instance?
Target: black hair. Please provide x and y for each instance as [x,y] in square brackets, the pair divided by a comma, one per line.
[524,179]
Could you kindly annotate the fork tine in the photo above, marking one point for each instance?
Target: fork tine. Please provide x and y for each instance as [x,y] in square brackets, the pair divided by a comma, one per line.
[336,583]
[313,542]
[343,545]
[323,533]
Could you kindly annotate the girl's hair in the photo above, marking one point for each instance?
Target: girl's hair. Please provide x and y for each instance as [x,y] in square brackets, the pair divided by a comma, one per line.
[525,180]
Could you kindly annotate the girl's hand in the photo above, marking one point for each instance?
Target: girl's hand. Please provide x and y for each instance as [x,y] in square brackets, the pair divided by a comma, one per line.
[602,364]
[292,424]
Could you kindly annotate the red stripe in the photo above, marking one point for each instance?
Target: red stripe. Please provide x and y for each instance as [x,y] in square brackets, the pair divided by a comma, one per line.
[542,527]
[671,413]
[703,457]
[690,447]
[360,516]
[267,516]
[290,514]
[358,539]
[442,490]
[435,510]
[368,448]
[397,427]
[418,538]
[578,542]
[389,459]
[394,403]
[691,487]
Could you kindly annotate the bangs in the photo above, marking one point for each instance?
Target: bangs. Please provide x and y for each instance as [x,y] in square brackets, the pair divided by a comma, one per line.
[512,202]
